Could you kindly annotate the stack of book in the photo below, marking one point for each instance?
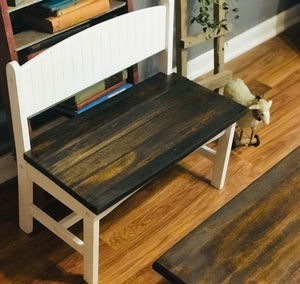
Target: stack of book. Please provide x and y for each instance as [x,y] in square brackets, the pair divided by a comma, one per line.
[52,16]
[95,94]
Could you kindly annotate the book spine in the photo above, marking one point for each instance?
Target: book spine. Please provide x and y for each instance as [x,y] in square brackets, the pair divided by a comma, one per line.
[35,53]
[100,94]
[54,5]
[104,98]
[105,84]
[87,93]
[71,8]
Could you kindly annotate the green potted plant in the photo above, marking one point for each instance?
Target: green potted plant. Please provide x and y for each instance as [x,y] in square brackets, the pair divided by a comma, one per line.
[204,15]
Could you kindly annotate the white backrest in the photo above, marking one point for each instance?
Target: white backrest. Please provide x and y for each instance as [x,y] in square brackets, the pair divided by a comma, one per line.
[86,58]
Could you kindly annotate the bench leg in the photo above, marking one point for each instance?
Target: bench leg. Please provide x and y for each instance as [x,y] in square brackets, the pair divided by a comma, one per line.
[25,200]
[222,158]
[91,251]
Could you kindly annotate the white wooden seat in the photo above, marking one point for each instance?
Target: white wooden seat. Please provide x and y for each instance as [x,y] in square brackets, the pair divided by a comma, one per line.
[85,169]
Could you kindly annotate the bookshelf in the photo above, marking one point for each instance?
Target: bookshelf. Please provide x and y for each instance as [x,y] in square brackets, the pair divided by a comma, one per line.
[27,38]
[15,38]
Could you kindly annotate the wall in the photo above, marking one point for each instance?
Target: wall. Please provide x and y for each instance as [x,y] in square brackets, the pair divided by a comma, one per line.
[256,11]
[252,14]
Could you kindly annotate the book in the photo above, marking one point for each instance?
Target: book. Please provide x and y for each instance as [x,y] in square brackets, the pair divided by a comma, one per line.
[59,23]
[70,104]
[71,8]
[42,10]
[91,91]
[99,95]
[35,53]
[54,5]
[72,112]
[104,98]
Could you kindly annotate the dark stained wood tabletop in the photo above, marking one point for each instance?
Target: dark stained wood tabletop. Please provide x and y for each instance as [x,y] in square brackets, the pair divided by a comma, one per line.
[255,238]
[102,155]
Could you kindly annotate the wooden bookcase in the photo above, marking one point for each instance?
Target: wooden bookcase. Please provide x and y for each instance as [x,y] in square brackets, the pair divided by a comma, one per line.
[16,39]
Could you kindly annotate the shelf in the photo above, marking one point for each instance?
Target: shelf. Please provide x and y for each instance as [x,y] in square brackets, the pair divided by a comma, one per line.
[29,37]
[24,4]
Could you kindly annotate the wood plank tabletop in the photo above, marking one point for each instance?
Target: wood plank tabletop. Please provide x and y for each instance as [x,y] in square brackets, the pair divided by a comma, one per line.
[106,153]
[255,238]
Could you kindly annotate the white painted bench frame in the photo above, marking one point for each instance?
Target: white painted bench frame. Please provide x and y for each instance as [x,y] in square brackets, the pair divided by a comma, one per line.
[63,70]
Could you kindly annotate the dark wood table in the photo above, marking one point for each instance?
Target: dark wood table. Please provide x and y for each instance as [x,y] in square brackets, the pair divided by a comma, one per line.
[255,238]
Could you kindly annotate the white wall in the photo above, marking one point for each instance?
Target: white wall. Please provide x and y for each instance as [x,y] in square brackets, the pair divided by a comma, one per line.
[246,40]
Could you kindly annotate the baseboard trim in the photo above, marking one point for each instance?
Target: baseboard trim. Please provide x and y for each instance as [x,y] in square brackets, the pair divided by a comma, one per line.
[246,41]
[8,167]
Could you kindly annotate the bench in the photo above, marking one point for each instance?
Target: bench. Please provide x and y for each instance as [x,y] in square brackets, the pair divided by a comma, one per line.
[253,238]
[96,160]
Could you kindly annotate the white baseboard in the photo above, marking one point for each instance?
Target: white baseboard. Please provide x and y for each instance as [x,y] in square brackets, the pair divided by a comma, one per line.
[246,41]
[8,167]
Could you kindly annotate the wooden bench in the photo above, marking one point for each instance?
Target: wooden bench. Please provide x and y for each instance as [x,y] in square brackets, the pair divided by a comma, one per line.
[93,162]
[253,238]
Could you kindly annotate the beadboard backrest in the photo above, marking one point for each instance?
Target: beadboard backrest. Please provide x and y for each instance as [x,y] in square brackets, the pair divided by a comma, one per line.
[89,57]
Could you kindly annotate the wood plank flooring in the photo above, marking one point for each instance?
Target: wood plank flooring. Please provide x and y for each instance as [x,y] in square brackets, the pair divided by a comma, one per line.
[153,220]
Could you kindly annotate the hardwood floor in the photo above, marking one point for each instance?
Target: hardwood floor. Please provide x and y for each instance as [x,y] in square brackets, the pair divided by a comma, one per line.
[157,217]
[255,237]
